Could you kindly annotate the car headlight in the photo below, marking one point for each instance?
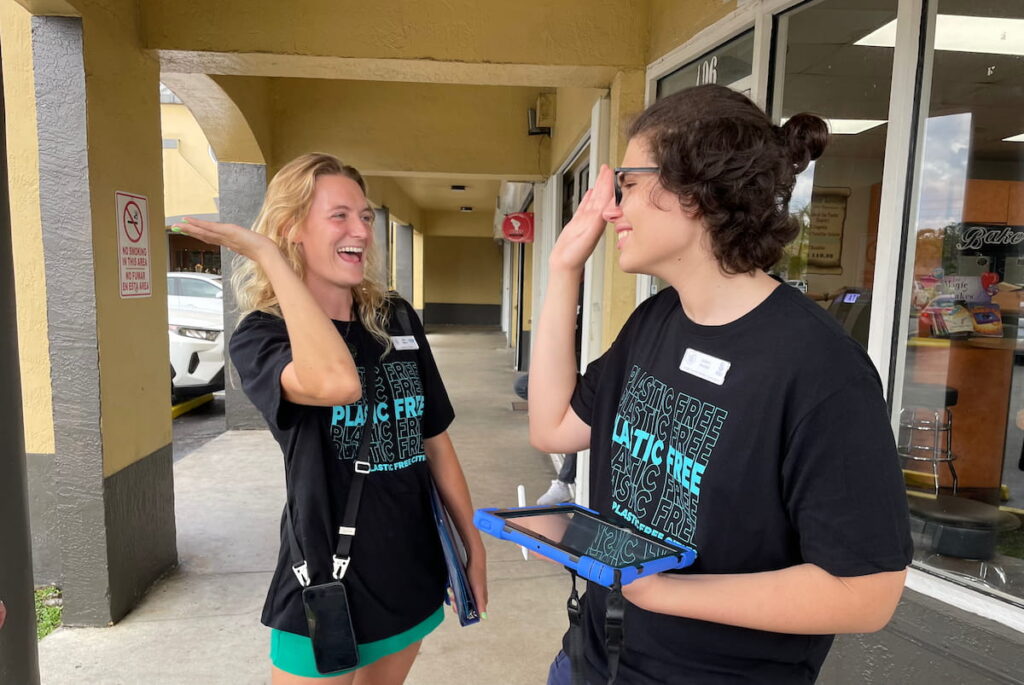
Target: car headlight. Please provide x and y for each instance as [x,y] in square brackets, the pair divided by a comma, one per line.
[198,333]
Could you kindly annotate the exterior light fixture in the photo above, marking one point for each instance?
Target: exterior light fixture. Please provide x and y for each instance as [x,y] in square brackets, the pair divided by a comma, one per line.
[532,128]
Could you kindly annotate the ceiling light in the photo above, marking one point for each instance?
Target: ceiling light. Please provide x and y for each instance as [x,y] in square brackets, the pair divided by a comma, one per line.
[841,127]
[989,35]
[849,127]
[465,209]
[1019,138]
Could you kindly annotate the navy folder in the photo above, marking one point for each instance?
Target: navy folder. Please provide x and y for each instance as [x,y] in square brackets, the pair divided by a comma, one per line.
[461,594]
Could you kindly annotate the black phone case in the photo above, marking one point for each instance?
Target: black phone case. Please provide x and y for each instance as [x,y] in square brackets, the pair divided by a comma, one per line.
[330,627]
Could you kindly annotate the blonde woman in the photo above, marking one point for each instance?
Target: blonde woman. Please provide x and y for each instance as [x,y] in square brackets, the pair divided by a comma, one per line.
[314,320]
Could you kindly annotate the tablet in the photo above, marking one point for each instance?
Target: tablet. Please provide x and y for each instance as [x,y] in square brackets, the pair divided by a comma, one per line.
[582,540]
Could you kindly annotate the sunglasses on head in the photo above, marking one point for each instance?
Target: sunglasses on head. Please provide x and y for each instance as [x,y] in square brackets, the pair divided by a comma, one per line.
[620,171]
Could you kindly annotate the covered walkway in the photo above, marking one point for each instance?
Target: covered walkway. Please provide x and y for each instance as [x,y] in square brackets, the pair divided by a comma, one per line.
[200,624]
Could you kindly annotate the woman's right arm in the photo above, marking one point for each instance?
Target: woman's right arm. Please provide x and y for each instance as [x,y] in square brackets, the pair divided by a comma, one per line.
[322,372]
[554,426]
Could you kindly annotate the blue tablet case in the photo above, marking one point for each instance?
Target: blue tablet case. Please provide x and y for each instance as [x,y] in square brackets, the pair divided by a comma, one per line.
[587,567]
[461,594]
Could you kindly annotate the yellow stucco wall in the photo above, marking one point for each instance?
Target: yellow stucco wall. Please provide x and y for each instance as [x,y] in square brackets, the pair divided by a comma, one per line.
[52,8]
[122,87]
[29,269]
[385,192]
[570,32]
[627,98]
[253,97]
[190,174]
[673,22]
[573,107]
[462,270]
[477,224]
[409,127]
[225,126]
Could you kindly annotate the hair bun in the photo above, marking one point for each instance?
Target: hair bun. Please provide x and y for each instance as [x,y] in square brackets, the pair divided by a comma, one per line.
[806,136]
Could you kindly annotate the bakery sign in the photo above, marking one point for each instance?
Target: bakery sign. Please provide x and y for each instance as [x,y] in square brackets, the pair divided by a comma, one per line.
[518,227]
[970,237]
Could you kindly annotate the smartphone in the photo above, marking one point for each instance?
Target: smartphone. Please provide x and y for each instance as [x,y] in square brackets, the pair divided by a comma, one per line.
[330,627]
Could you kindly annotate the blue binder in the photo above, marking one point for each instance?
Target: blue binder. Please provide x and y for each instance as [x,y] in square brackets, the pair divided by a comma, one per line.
[461,594]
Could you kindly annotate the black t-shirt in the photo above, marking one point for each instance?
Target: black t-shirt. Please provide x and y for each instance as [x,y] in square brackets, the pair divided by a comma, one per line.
[397,575]
[789,460]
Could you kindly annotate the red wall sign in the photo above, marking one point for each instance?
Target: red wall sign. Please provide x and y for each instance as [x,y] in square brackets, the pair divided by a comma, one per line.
[518,227]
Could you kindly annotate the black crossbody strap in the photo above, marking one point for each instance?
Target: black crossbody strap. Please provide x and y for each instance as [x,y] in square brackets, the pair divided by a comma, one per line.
[347,530]
[403,317]
[362,467]
[299,567]
[575,633]
[615,610]
[613,633]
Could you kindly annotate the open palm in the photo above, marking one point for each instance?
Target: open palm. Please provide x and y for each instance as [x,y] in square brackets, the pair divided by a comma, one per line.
[578,239]
[237,239]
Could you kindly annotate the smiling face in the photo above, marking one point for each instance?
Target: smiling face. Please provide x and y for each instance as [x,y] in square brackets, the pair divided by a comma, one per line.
[337,233]
[655,233]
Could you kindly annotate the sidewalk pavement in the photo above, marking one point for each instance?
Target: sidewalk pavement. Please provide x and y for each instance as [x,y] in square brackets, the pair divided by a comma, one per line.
[201,624]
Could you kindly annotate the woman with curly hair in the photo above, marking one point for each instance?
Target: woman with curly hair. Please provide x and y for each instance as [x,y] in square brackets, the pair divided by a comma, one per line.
[731,413]
[317,325]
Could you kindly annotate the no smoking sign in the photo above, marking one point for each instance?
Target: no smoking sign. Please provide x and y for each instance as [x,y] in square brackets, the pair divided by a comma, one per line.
[133,244]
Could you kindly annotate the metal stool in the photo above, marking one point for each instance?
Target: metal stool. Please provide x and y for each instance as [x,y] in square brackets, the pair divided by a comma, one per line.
[926,431]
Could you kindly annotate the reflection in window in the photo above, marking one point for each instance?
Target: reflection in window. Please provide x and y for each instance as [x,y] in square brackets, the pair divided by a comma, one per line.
[821,69]
[730,65]
[961,419]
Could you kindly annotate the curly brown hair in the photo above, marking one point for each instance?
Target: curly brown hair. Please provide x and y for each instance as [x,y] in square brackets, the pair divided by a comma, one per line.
[729,165]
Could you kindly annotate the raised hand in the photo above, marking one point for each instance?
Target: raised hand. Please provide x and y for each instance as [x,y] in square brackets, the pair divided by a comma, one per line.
[237,239]
[579,237]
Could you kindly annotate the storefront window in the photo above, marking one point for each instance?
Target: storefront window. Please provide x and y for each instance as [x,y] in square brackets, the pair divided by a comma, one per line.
[730,64]
[821,68]
[961,418]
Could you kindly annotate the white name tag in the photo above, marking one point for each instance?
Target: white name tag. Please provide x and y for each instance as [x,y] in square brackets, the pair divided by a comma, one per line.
[405,342]
[711,369]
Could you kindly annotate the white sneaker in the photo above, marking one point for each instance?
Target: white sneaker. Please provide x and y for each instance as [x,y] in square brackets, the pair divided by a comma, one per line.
[556,494]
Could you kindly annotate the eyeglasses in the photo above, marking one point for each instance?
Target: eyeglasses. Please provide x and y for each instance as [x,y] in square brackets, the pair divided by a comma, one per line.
[629,170]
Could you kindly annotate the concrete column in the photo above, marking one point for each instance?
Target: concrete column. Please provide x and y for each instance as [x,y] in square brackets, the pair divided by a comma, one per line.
[618,294]
[115,526]
[403,258]
[242,187]
[71,304]
[381,231]
[19,658]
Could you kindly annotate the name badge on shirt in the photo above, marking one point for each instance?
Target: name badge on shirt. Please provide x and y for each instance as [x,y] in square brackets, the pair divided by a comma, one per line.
[711,369]
[405,342]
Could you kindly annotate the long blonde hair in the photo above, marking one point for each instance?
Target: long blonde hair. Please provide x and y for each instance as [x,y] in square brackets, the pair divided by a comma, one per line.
[286,204]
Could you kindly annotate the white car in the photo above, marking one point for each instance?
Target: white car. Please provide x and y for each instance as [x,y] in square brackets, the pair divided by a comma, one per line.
[196,336]
[189,291]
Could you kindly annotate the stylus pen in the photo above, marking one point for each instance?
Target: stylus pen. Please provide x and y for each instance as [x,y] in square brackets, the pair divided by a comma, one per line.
[521,493]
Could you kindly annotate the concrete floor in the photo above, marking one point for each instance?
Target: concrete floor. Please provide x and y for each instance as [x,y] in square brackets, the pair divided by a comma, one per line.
[201,623]
[196,428]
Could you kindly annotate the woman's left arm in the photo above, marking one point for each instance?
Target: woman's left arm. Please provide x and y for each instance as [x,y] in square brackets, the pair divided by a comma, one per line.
[451,485]
[802,599]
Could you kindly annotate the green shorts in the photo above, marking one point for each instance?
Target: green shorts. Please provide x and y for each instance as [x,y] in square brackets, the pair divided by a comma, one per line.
[294,653]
